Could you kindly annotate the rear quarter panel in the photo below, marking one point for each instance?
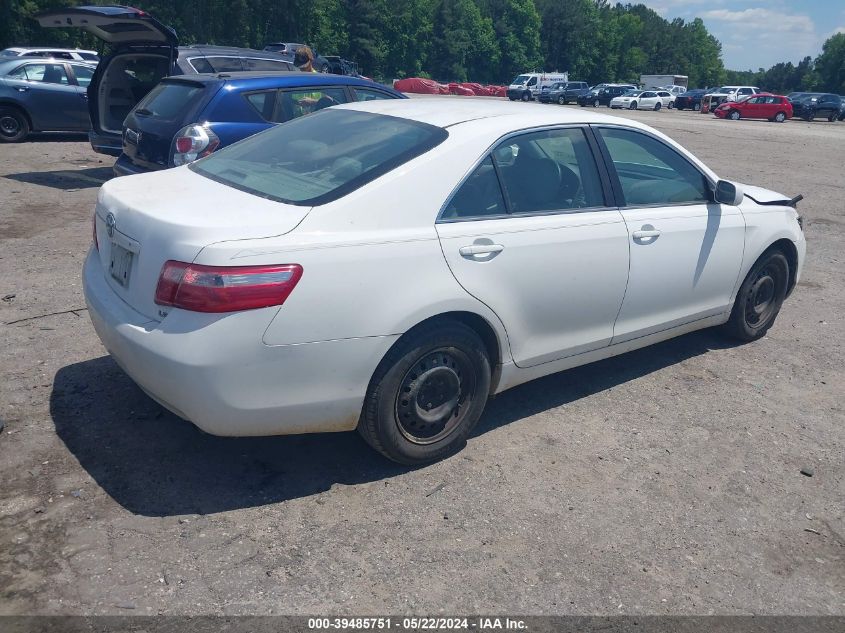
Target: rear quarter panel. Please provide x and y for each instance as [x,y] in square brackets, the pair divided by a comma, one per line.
[372,261]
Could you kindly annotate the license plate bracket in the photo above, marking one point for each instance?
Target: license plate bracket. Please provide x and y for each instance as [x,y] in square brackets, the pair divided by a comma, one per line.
[121,264]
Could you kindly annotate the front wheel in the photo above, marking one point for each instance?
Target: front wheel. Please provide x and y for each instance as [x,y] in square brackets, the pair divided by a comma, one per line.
[561,101]
[657,106]
[833,117]
[696,106]
[427,394]
[810,116]
[633,105]
[526,96]
[734,115]
[760,297]
[596,103]
[14,126]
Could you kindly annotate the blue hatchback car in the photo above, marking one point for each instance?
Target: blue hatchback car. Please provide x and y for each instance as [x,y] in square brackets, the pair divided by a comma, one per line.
[188,117]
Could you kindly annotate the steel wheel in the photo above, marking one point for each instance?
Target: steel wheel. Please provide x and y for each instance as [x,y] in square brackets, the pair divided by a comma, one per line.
[734,115]
[760,297]
[780,117]
[427,393]
[13,125]
[432,399]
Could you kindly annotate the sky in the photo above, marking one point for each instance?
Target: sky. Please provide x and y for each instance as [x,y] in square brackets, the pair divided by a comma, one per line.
[758,34]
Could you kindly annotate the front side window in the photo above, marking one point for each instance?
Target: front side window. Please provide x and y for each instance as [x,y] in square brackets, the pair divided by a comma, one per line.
[45,73]
[318,158]
[652,173]
[365,94]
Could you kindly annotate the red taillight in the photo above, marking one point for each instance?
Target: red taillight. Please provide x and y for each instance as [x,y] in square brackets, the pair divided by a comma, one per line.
[193,142]
[94,231]
[225,288]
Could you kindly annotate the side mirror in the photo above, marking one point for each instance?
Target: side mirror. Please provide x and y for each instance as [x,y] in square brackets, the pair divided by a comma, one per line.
[728,193]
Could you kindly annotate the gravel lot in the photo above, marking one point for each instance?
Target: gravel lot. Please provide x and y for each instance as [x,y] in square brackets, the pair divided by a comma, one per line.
[665,481]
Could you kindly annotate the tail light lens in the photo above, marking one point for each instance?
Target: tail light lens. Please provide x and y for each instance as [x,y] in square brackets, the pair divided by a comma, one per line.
[191,143]
[225,288]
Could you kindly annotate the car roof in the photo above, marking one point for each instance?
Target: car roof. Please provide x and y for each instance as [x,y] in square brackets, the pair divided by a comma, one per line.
[27,49]
[258,79]
[446,111]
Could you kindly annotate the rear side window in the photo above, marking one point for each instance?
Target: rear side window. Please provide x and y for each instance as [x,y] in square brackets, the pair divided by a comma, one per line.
[321,157]
[225,64]
[252,63]
[263,102]
[295,103]
[480,196]
[83,75]
[169,100]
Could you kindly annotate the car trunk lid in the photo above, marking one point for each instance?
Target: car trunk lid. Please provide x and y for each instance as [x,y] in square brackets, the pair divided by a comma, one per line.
[114,25]
[142,221]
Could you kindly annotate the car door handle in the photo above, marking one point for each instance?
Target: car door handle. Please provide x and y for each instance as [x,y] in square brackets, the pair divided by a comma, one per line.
[480,249]
[22,88]
[641,235]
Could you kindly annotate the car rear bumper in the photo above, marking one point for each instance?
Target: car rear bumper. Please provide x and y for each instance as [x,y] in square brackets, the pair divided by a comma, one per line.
[105,143]
[123,166]
[215,371]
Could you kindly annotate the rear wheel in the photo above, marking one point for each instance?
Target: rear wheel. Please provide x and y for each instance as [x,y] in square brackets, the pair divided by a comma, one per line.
[810,116]
[14,126]
[833,116]
[760,297]
[427,394]
[633,105]
[696,106]
[734,115]
[596,103]
[561,101]
[780,117]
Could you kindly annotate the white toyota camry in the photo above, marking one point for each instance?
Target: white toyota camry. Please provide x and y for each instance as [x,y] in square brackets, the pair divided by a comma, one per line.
[388,266]
[640,100]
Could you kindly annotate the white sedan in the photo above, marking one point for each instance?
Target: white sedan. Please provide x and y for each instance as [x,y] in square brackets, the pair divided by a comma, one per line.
[638,100]
[390,265]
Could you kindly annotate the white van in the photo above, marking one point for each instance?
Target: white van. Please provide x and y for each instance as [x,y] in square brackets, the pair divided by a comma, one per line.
[528,85]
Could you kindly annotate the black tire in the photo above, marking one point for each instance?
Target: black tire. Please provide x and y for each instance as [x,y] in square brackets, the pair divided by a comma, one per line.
[671,105]
[561,101]
[760,297]
[526,96]
[780,117]
[696,106]
[833,117]
[633,105]
[14,126]
[734,115]
[444,361]
[679,107]
[597,103]
[657,106]
[810,116]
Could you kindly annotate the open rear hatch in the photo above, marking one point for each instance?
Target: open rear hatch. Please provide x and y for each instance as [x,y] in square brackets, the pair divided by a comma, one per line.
[145,220]
[143,53]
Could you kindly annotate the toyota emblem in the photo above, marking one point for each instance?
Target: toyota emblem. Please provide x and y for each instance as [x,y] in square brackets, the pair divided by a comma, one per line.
[110,224]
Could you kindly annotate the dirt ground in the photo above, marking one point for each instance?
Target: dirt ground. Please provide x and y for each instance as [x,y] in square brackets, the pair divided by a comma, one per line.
[665,481]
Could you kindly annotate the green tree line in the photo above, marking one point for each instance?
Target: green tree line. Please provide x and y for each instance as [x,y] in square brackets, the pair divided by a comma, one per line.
[488,41]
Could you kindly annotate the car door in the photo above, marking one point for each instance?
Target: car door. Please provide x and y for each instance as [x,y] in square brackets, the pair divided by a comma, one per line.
[752,108]
[686,250]
[50,98]
[82,75]
[532,234]
[647,100]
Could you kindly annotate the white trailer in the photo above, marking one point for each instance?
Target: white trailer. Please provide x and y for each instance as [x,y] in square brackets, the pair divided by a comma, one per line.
[663,81]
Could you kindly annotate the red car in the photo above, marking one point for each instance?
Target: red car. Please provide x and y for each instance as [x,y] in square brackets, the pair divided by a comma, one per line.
[760,106]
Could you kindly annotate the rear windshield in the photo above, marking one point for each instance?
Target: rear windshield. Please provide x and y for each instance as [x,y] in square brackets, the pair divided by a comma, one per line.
[169,100]
[320,157]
